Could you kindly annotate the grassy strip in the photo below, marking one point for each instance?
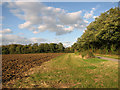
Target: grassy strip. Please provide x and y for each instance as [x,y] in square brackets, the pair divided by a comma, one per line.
[109,56]
[69,71]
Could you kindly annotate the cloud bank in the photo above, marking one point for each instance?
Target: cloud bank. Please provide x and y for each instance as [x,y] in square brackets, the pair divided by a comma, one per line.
[15,39]
[6,31]
[39,18]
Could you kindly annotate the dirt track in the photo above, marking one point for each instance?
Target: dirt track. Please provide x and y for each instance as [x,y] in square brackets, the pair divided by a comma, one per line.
[111,59]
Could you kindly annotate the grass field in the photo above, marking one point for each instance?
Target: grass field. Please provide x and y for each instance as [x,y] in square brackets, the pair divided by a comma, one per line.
[69,71]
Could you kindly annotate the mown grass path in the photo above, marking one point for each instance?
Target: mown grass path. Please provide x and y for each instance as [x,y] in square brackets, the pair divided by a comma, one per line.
[69,71]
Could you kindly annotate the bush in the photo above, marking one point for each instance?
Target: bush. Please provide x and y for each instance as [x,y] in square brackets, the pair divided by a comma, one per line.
[101,51]
[83,54]
[87,54]
[76,52]
[91,54]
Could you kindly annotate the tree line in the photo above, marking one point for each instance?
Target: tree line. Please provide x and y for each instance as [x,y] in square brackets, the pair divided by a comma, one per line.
[34,48]
[102,35]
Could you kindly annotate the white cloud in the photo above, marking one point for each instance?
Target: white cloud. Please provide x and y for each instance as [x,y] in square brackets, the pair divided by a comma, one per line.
[35,32]
[71,18]
[37,40]
[89,15]
[39,18]
[14,39]
[83,31]
[60,40]
[25,25]
[95,17]
[60,25]
[42,27]
[68,44]
[70,28]
[93,8]
[6,31]
[86,21]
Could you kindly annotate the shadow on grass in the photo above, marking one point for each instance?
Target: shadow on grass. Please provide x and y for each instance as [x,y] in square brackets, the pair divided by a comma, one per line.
[94,60]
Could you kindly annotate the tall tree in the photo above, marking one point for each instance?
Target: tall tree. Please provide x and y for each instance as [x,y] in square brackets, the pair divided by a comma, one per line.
[12,48]
[103,33]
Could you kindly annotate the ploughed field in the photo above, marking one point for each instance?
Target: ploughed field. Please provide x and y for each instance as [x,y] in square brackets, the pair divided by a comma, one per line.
[15,65]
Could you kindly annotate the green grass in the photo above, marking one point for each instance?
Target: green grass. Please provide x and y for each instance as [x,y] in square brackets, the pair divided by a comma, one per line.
[69,71]
[94,60]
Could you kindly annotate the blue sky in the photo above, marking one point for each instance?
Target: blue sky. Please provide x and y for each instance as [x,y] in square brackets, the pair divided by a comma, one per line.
[48,22]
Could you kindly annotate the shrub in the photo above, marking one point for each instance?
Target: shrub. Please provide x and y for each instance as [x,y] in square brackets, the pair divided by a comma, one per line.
[91,54]
[76,52]
[101,51]
[87,54]
[84,54]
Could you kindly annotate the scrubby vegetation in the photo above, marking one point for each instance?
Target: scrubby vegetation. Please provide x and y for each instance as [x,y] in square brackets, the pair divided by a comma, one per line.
[87,54]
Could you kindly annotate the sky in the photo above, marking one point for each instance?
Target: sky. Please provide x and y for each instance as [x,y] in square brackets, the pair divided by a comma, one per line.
[48,22]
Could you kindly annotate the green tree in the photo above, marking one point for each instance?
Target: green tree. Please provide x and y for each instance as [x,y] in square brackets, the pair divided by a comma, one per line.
[35,48]
[12,49]
[52,47]
[5,50]
[103,33]
[46,48]
[18,49]
[60,47]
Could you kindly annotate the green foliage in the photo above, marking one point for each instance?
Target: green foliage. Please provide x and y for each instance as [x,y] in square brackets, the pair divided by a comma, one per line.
[101,51]
[68,50]
[18,49]
[5,50]
[60,47]
[77,53]
[113,48]
[12,49]
[32,48]
[89,53]
[103,33]
[94,60]
[83,54]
